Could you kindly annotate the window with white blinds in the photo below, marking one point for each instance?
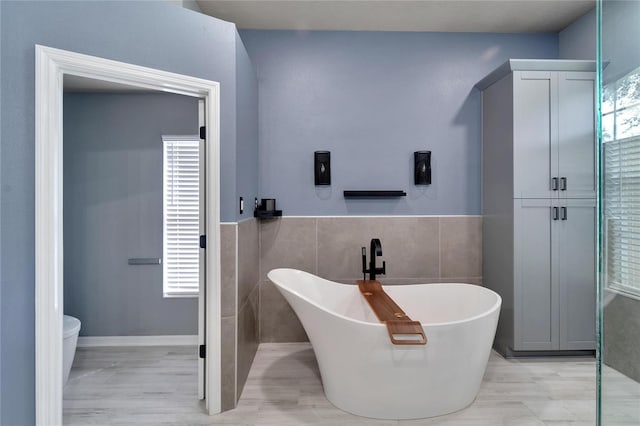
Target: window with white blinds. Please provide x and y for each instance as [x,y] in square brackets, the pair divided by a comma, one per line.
[181,207]
[621,201]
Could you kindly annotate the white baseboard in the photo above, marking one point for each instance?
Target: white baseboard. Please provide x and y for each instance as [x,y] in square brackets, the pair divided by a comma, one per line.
[176,340]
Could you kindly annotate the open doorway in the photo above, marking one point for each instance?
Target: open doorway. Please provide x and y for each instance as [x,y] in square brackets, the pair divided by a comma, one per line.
[52,65]
[132,267]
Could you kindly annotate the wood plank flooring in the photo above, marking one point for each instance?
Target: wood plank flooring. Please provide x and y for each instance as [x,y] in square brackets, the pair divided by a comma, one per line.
[157,385]
[127,385]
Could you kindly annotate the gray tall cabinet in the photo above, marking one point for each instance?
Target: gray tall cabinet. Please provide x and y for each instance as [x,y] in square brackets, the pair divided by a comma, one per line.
[539,203]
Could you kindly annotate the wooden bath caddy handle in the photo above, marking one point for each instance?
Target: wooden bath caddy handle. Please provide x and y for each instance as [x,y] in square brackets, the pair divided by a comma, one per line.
[402,329]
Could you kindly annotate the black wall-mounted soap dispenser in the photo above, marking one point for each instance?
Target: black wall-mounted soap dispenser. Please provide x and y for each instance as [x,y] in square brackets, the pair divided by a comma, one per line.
[422,167]
[322,167]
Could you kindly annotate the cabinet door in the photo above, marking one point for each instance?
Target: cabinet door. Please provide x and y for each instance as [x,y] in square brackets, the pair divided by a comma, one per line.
[536,306]
[577,274]
[576,134]
[535,133]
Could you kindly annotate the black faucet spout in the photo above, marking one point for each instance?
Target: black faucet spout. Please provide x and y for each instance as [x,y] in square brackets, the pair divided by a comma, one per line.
[376,247]
[375,250]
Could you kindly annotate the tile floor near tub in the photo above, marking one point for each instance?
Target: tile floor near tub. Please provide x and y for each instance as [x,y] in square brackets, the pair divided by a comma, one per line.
[157,386]
[284,388]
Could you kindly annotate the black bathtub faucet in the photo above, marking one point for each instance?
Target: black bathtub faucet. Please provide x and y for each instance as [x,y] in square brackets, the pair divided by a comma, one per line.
[376,250]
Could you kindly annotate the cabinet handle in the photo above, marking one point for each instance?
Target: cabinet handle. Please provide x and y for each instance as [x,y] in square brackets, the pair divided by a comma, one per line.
[563,213]
[555,213]
[563,183]
[554,183]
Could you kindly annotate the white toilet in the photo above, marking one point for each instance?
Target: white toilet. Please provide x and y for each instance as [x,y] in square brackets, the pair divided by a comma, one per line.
[70,331]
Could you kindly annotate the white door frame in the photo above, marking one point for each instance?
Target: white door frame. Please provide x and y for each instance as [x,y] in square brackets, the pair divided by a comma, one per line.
[51,66]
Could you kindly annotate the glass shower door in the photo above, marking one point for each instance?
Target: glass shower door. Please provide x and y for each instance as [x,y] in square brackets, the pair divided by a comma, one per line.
[619,278]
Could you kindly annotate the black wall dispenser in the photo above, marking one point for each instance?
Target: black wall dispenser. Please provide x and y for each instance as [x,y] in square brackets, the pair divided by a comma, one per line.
[422,167]
[322,167]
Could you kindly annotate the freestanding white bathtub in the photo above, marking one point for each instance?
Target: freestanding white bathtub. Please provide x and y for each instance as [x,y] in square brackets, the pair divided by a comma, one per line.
[365,374]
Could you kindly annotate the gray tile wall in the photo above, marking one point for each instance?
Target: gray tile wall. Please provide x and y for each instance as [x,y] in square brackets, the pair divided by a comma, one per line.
[248,273]
[228,273]
[621,349]
[239,261]
[228,251]
[228,362]
[284,243]
[416,249]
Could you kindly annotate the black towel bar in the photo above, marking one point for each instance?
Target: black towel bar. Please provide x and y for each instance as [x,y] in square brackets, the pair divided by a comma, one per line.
[374,193]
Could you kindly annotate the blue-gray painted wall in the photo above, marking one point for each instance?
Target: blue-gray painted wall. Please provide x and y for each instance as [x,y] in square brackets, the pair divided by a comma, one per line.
[620,38]
[372,99]
[152,34]
[578,40]
[247,133]
[113,211]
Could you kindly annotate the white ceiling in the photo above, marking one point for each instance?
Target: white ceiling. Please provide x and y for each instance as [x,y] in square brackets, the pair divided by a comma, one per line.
[503,16]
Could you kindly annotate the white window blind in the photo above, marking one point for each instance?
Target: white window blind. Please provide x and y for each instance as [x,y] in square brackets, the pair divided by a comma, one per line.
[181,206]
[621,138]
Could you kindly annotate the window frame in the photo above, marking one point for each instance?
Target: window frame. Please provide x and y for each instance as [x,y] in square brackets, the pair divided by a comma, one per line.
[610,142]
[169,291]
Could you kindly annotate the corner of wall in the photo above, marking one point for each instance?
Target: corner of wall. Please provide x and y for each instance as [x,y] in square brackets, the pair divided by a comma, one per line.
[191,5]
[228,302]
[578,40]
[186,4]
[248,257]
[239,244]
[246,130]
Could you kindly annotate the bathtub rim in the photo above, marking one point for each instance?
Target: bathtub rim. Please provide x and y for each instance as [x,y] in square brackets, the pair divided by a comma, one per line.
[496,306]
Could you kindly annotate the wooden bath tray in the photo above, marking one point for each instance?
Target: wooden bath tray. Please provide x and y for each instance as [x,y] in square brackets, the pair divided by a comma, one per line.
[402,329]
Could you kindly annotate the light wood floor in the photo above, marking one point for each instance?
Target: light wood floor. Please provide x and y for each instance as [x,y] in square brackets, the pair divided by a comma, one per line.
[158,386]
